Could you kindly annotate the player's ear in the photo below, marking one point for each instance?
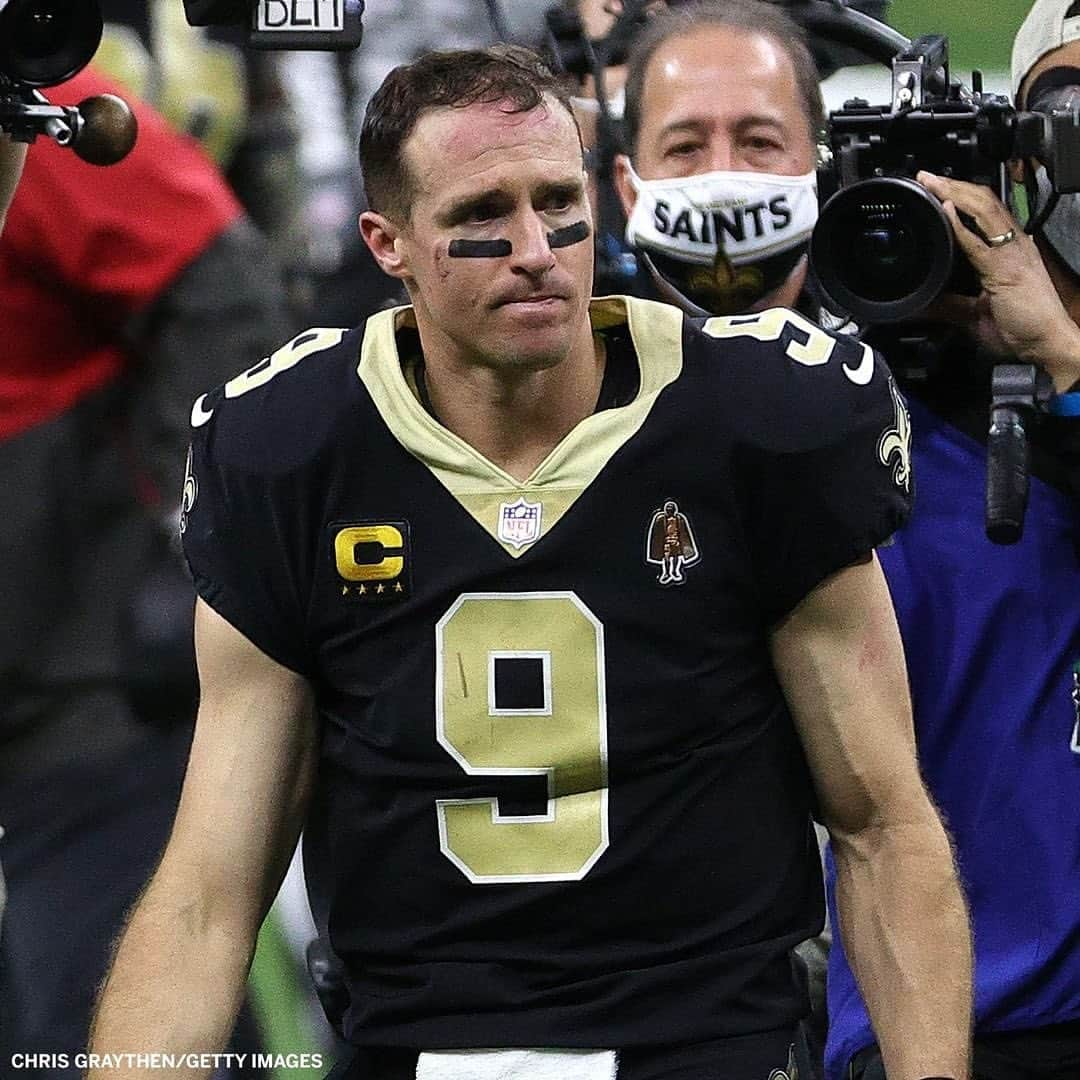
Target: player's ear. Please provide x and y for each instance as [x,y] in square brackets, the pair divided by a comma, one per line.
[623,184]
[381,235]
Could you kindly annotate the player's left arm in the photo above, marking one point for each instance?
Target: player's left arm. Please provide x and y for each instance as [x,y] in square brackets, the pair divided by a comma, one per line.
[903,920]
[12,156]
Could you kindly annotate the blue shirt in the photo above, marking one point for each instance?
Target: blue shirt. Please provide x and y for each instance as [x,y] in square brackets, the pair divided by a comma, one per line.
[991,636]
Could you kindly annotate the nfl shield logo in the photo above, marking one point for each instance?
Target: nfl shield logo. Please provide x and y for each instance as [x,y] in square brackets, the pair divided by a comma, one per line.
[519,522]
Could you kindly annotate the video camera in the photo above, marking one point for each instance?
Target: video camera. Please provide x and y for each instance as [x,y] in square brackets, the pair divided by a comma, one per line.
[44,43]
[285,24]
[883,248]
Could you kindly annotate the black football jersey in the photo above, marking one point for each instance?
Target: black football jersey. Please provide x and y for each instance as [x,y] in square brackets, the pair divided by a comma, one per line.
[560,800]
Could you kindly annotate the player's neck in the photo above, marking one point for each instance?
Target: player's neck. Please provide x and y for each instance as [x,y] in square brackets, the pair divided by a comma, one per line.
[515,418]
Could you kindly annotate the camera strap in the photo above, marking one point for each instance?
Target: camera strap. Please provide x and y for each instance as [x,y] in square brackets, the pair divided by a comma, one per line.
[1053,79]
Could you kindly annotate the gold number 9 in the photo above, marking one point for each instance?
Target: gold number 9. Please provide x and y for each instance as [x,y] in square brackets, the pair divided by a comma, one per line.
[561,735]
[769,326]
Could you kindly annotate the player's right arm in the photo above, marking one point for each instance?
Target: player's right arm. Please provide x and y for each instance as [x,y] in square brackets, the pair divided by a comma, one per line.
[902,915]
[178,977]
[828,462]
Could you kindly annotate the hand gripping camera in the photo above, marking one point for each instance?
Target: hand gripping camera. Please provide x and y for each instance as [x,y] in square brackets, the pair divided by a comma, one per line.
[883,248]
[43,43]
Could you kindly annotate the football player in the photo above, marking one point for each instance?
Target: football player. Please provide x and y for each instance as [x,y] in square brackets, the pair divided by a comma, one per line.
[722,113]
[556,813]
[1015,682]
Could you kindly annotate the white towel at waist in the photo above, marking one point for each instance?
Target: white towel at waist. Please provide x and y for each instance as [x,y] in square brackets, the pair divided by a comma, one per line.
[529,1064]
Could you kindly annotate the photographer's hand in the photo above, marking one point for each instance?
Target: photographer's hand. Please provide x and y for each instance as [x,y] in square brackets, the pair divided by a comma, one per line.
[1019,312]
[12,156]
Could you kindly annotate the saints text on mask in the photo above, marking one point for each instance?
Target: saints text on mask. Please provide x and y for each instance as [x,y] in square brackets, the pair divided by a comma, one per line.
[713,226]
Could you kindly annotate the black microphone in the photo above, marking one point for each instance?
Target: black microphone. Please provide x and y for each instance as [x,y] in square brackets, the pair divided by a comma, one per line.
[1006,475]
[1018,392]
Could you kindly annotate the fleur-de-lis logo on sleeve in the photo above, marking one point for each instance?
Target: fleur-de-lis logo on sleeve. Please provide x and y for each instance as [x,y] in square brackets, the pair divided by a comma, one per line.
[895,442]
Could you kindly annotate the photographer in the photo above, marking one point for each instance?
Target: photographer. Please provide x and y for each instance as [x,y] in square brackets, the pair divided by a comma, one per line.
[690,144]
[992,634]
[993,706]
[1046,54]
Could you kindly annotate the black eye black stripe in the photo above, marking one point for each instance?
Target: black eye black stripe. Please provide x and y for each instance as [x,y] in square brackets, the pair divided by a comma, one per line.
[569,234]
[479,249]
[497,249]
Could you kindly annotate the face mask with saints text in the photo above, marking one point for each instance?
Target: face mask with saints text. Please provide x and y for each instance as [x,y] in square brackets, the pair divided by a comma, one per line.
[746,216]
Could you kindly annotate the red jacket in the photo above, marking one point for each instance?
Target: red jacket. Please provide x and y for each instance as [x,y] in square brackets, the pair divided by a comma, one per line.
[86,247]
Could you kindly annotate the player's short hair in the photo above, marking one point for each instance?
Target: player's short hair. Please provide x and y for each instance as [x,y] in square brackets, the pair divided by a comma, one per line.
[751,16]
[509,74]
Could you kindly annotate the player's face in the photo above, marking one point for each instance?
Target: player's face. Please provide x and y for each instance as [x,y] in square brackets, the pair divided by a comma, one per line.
[721,99]
[483,174]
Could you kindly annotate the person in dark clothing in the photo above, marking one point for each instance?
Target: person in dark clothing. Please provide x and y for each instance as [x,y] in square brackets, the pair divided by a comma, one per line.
[121,290]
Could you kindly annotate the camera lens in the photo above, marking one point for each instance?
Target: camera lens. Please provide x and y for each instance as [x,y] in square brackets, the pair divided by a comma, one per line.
[40,30]
[44,42]
[882,249]
[885,252]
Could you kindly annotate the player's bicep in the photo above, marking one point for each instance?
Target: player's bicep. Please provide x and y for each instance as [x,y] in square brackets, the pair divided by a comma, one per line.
[840,662]
[249,774]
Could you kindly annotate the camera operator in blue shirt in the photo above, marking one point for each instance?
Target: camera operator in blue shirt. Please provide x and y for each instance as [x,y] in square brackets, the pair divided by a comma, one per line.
[992,634]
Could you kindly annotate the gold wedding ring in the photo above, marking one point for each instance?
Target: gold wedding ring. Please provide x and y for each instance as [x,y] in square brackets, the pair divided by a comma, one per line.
[1001,239]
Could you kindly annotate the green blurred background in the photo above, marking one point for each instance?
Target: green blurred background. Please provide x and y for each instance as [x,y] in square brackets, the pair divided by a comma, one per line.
[980,34]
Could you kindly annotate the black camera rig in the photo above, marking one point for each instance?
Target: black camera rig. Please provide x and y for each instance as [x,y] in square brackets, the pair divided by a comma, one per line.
[884,250]
[841,33]
[44,43]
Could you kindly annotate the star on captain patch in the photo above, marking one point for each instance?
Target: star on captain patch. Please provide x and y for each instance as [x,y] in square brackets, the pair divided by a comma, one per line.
[519,522]
[670,543]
